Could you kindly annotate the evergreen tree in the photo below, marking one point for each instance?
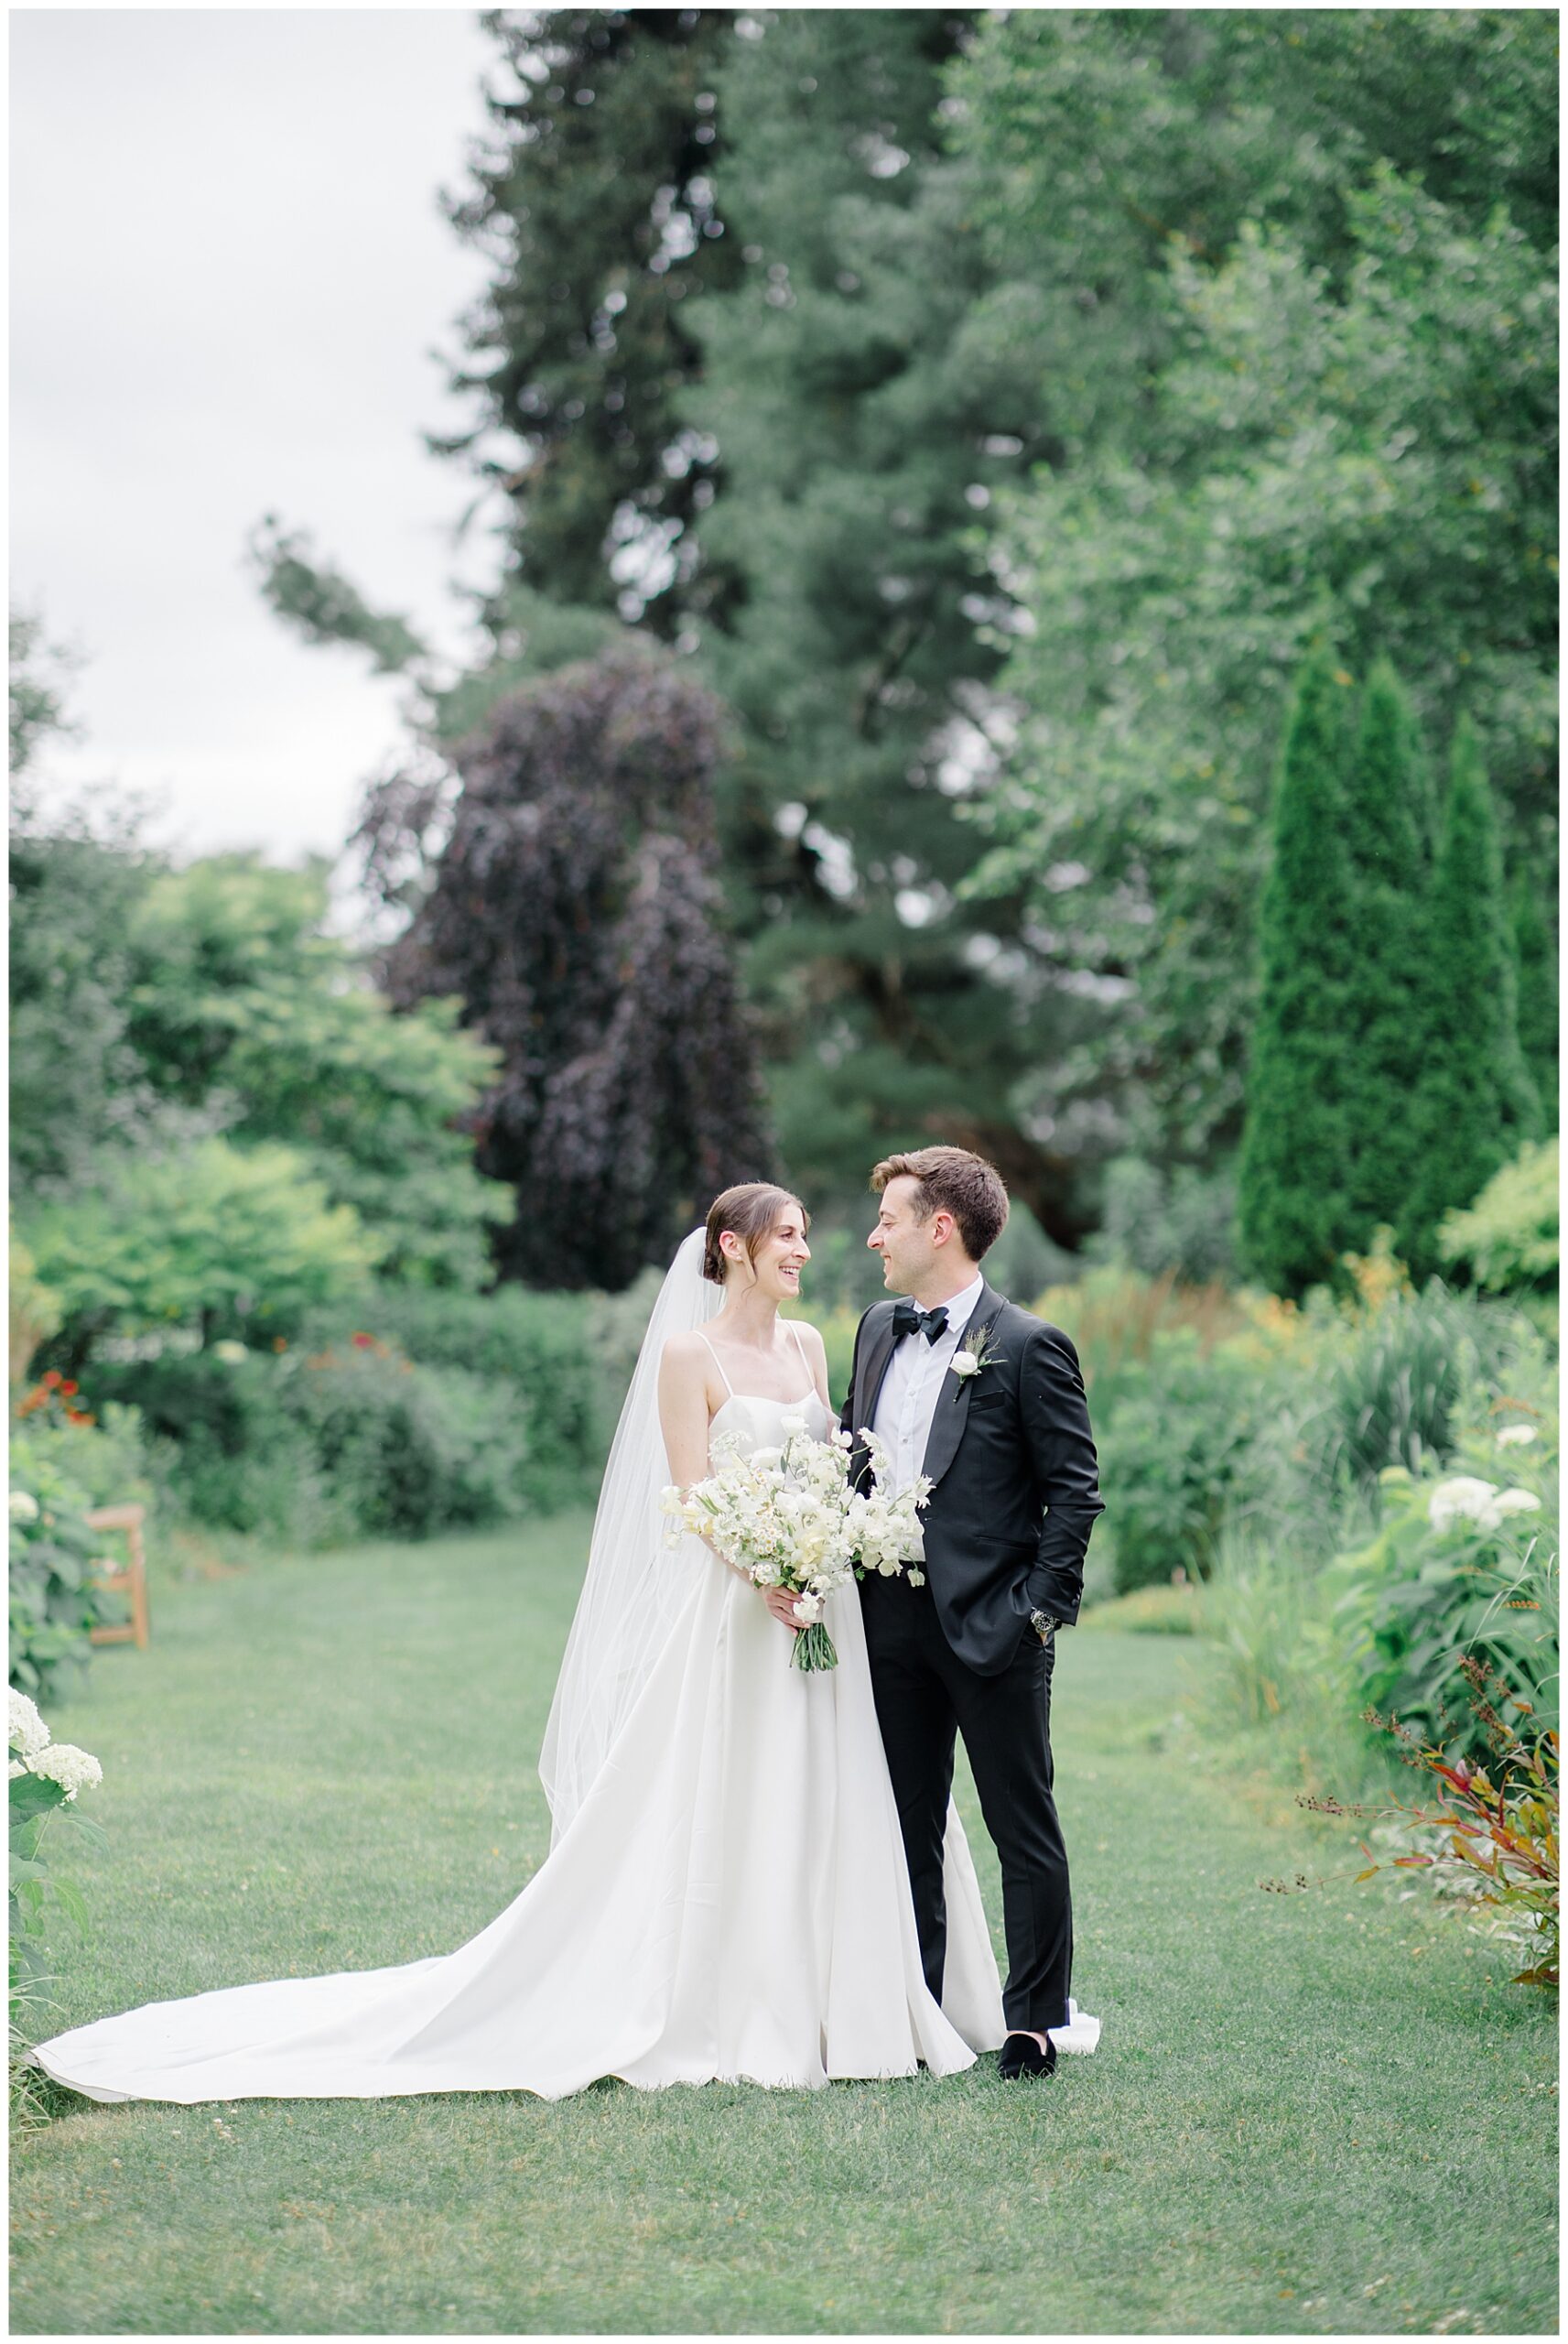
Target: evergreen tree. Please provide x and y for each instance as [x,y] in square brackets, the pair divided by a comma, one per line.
[574,911]
[1476,1103]
[1248,247]
[1535,957]
[864,422]
[1387,844]
[597,205]
[1296,1156]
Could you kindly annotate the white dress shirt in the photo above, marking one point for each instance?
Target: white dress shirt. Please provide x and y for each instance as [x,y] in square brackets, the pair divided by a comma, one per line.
[907,1401]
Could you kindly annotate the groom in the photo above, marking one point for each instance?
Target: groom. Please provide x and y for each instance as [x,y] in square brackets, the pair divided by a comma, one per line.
[964,1386]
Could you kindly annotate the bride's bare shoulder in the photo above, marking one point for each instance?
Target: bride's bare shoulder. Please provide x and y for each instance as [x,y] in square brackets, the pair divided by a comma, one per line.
[686,1350]
[811,1337]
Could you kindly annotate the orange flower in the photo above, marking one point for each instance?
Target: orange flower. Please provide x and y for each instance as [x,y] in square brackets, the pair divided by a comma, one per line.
[52,1378]
[69,1388]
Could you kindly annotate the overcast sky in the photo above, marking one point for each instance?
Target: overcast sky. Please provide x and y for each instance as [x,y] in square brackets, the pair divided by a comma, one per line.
[229,275]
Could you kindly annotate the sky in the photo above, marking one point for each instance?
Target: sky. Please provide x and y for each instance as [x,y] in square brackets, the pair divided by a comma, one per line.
[231,283]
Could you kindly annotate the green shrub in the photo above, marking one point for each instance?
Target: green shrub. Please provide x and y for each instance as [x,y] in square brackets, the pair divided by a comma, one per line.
[221,1441]
[540,1349]
[55,1596]
[406,1450]
[210,1236]
[1391,1380]
[1508,1238]
[1282,1662]
[108,1462]
[1115,1316]
[1463,1567]
[1173,1455]
[316,1449]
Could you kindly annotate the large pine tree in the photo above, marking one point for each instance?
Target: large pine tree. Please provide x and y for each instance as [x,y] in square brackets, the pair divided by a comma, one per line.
[1388,845]
[1294,1199]
[866,412]
[596,203]
[727,371]
[1476,1103]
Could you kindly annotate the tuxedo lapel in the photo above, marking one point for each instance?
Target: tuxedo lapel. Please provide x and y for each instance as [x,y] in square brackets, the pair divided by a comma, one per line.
[869,1382]
[953,1392]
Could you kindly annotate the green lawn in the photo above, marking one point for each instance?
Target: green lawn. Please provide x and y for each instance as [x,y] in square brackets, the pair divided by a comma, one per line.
[1322,2113]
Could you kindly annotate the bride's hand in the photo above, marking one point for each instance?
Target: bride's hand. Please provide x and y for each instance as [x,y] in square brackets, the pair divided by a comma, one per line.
[780,1603]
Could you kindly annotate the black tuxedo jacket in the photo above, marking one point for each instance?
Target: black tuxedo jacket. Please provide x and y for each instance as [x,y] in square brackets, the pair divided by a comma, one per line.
[1017,1481]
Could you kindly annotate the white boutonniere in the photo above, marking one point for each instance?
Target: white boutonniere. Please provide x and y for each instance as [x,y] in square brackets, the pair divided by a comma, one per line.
[973,1355]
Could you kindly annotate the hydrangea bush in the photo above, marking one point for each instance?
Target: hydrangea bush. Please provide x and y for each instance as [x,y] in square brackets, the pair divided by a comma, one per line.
[46,1780]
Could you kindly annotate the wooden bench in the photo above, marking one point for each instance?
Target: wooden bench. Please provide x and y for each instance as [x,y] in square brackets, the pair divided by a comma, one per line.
[130,1579]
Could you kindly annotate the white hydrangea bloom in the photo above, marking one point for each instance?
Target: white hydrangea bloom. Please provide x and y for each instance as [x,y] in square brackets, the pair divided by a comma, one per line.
[1515,1436]
[23,1506]
[74,1770]
[1463,1497]
[1466,1498]
[28,1733]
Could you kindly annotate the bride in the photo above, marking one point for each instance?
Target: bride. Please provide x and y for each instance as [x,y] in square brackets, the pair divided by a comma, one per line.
[725,1896]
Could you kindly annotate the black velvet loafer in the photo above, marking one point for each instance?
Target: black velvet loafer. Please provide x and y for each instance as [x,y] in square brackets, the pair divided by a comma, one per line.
[1022,2055]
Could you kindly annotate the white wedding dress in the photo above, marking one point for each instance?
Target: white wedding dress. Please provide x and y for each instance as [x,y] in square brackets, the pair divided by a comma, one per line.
[727,1898]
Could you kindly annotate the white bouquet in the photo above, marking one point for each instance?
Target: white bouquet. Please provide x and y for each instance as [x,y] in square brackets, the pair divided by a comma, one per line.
[789,1518]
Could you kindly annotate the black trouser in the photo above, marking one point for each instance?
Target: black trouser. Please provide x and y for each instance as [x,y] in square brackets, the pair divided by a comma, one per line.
[924,1693]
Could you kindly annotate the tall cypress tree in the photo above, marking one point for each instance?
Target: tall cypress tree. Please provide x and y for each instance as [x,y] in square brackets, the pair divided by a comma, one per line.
[1475,1102]
[1293,1181]
[1387,844]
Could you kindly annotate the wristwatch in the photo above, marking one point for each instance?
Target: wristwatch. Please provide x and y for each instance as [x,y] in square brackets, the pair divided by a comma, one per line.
[1044,1625]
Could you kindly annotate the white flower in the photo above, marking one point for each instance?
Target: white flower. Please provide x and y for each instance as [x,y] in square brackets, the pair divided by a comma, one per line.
[966,1364]
[74,1770]
[28,1733]
[793,1423]
[18,1767]
[23,1506]
[1466,1498]
[1462,1498]
[1515,1436]
[232,1353]
[808,1609]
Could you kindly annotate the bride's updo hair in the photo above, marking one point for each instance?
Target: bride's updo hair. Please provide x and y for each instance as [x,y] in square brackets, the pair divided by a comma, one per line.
[749,1213]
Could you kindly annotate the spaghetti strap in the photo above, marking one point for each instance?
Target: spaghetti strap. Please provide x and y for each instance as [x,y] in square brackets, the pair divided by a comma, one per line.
[718,1364]
[800,1347]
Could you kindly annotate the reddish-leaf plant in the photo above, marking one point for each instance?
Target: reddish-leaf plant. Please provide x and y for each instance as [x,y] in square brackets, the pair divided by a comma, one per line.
[1499,1822]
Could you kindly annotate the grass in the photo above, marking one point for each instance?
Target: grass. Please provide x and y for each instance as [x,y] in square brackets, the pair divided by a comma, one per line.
[1327,2113]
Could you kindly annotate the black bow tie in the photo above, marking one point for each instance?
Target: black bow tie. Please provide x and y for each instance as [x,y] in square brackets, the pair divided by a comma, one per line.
[908,1320]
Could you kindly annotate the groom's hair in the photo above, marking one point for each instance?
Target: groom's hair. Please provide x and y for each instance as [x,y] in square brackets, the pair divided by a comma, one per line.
[749,1211]
[952,1180]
